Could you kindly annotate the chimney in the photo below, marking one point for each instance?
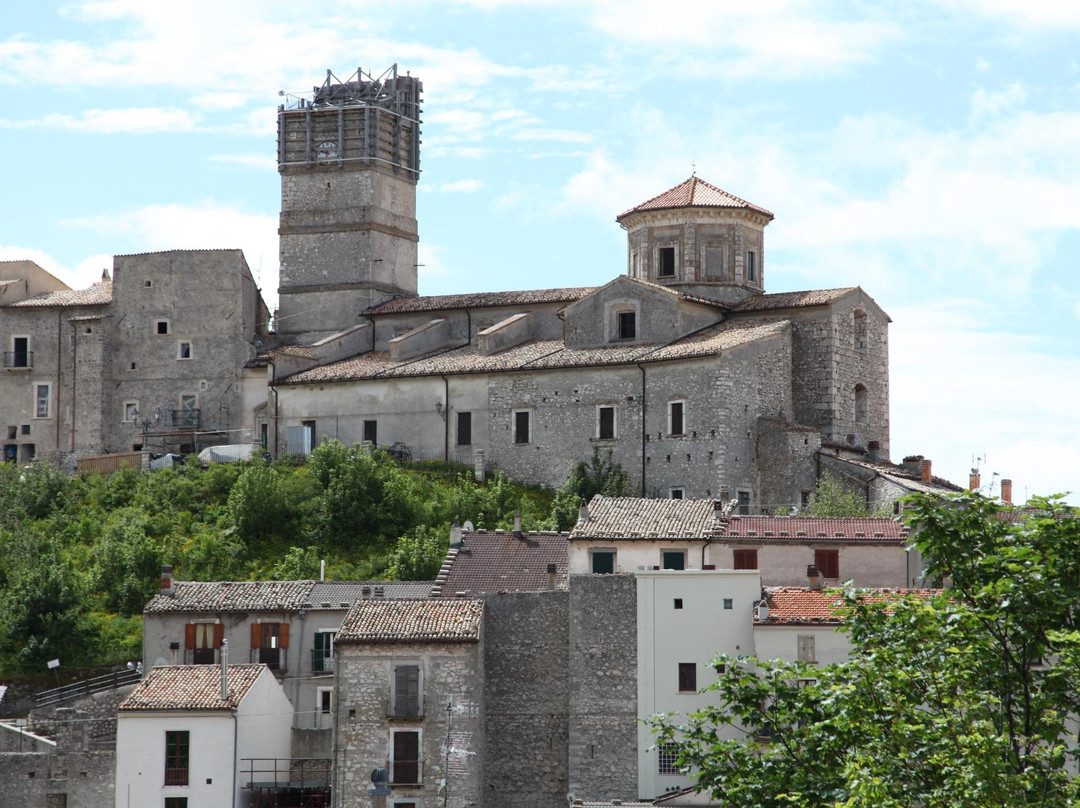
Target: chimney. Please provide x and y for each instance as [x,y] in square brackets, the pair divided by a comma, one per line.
[224,670]
[1006,491]
[925,474]
[455,535]
[974,481]
[763,610]
[813,577]
[517,525]
[583,514]
[873,451]
[912,464]
[166,579]
[551,576]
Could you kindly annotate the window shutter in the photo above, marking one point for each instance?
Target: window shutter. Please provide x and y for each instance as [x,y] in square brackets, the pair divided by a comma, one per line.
[283,635]
[256,635]
[189,635]
[407,691]
[219,634]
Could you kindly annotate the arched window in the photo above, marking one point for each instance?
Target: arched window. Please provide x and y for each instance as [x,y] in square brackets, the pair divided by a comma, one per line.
[859,329]
[862,405]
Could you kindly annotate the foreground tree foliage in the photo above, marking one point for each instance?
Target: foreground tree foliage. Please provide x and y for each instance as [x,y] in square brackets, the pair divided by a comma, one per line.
[961,700]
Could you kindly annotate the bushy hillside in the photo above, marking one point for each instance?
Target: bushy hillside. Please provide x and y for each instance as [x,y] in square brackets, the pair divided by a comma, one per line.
[79,557]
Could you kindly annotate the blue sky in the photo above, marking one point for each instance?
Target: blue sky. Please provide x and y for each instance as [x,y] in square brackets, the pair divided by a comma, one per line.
[927,151]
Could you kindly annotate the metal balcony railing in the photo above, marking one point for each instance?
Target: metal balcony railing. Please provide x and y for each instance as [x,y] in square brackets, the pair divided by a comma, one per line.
[17,360]
[322,661]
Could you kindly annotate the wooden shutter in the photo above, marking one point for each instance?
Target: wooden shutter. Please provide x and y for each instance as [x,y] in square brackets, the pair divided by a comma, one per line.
[407,691]
[189,635]
[406,768]
[828,563]
[256,635]
[219,634]
[283,635]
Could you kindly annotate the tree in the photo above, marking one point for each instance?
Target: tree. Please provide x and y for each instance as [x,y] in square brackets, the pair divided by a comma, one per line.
[832,498]
[962,699]
[419,555]
[601,475]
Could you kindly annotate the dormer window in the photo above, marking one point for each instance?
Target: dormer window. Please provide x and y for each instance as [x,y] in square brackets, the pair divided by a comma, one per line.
[627,324]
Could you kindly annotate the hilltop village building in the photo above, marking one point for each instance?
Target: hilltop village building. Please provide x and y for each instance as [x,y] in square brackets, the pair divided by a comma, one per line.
[698,381]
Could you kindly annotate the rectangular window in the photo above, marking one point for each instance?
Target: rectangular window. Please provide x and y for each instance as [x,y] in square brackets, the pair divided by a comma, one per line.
[20,353]
[627,322]
[309,435]
[745,560]
[603,562]
[688,677]
[270,644]
[751,267]
[176,802]
[322,655]
[828,563]
[183,350]
[665,262]
[42,400]
[131,411]
[324,701]
[806,648]
[669,758]
[676,410]
[605,423]
[177,752]
[678,603]
[714,264]
[162,326]
[521,426]
[744,503]
[406,691]
[371,432]
[201,641]
[677,493]
[729,603]
[405,764]
[673,559]
[464,429]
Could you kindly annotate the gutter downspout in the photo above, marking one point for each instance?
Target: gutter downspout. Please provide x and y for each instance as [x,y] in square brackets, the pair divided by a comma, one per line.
[74,380]
[299,669]
[334,790]
[273,389]
[236,753]
[708,541]
[446,419]
[644,432]
[56,397]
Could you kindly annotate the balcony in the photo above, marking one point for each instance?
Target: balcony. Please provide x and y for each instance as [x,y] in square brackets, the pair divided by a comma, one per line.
[322,661]
[190,418]
[18,360]
[273,658]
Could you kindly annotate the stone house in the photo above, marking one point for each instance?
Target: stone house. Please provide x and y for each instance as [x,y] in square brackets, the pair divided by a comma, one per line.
[154,356]
[409,683]
[289,626]
[200,735]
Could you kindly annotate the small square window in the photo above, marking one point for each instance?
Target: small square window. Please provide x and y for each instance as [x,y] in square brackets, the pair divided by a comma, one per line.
[627,322]
[688,677]
[676,493]
[183,350]
[678,603]
[147,284]
[162,326]
[745,559]
[603,562]
[12,432]
[132,366]
[131,410]
[673,559]
[828,563]
[729,603]
[721,669]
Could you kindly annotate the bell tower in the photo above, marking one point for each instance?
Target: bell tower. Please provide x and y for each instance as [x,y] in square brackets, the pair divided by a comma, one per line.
[349,160]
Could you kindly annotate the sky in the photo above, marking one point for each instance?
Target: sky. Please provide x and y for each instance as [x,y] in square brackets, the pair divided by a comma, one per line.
[928,152]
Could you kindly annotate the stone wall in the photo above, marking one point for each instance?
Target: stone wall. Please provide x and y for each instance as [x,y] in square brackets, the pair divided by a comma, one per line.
[603,687]
[85,779]
[526,699]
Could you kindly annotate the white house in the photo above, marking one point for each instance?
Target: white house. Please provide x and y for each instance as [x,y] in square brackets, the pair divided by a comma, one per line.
[196,736]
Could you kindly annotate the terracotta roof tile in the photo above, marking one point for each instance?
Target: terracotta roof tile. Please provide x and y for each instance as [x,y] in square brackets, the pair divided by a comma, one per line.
[499,562]
[803,529]
[191,687]
[232,596]
[536,354]
[649,519]
[379,621]
[694,193]
[478,300]
[791,300]
[896,474]
[798,605]
[98,294]
[336,593]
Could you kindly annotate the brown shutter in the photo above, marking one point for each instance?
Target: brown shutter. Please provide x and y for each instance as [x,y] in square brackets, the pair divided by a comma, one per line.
[219,634]
[256,635]
[283,635]
[189,635]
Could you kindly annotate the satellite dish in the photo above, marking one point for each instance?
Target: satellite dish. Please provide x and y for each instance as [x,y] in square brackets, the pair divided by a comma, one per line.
[467,526]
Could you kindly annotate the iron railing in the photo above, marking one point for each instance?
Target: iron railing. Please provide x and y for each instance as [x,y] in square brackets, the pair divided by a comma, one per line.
[98,684]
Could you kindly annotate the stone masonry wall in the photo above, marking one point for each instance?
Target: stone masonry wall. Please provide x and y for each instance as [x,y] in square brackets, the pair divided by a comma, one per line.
[526,700]
[85,779]
[603,687]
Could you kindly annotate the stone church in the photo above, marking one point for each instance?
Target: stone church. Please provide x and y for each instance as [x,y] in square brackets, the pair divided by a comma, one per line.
[698,381]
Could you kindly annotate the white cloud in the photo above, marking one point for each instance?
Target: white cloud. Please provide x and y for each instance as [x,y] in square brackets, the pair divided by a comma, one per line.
[985,103]
[466,186]
[112,121]
[1047,15]
[260,162]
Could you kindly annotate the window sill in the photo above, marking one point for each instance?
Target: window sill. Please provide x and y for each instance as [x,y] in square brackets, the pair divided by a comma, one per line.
[604,440]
